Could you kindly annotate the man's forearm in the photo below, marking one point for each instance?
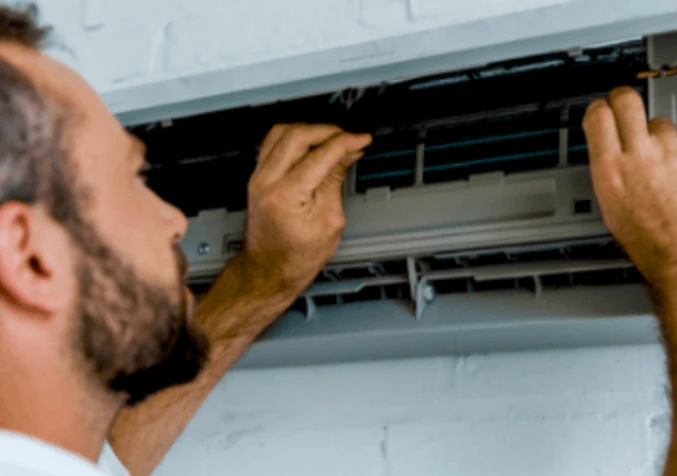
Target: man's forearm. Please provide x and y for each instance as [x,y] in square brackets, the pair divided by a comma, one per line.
[665,306]
[237,309]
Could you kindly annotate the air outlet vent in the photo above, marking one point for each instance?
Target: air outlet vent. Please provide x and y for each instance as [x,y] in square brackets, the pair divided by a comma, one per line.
[511,117]
[536,268]
[417,280]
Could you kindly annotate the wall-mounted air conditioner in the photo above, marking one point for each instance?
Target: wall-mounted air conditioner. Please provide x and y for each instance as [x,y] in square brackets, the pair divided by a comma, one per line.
[472,222]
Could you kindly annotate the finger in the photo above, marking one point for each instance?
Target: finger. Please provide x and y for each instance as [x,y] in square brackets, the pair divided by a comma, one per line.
[292,147]
[631,119]
[309,174]
[271,139]
[333,184]
[663,129]
[601,132]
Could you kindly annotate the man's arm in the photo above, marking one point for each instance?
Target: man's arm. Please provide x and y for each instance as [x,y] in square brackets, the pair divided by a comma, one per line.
[665,304]
[294,223]
[237,311]
[634,169]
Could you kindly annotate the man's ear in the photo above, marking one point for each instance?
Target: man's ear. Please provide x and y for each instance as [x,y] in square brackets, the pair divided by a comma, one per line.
[32,249]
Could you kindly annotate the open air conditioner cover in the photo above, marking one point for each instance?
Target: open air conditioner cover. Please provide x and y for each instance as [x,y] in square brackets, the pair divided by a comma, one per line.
[472,222]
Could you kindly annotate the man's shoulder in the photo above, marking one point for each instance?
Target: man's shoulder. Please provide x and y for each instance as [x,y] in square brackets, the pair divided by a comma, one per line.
[109,462]
[10,469]
[22,455]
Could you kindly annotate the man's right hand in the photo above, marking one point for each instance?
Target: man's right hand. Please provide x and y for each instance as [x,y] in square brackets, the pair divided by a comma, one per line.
[634,169]
[295,214]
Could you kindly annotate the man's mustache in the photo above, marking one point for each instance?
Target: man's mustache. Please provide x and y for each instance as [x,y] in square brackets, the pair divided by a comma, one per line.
[181,262]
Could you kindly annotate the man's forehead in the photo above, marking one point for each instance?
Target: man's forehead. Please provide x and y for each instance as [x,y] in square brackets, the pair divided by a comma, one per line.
[91,124]
[54,78]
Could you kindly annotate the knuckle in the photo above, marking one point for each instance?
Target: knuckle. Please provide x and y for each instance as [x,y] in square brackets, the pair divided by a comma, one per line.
[338,173]
[279,127]
[603,157]
[608,181]
[273,198]
[296,133]
[662,125]
[276,131]
[336,221]
[661,120]
[253,186]
[615,184]
[655,148]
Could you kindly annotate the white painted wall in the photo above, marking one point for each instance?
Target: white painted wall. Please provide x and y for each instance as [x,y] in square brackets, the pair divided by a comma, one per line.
[595,412]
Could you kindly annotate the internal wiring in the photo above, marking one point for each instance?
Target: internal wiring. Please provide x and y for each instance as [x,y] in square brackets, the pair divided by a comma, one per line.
[664,71]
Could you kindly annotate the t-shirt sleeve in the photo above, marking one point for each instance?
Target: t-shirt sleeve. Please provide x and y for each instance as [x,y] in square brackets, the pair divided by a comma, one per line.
[109,462]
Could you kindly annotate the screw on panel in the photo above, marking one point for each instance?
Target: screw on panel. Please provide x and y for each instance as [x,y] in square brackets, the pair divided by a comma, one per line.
[203,248]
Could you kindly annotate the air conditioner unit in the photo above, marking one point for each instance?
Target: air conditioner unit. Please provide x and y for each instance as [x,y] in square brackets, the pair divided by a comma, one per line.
[472,222]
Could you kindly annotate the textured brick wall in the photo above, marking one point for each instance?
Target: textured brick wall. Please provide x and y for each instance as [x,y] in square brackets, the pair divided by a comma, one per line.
[593,412]
[146,54]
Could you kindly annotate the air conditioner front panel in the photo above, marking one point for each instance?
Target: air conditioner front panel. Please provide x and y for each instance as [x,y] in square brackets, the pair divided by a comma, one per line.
[458,325]
[472,220]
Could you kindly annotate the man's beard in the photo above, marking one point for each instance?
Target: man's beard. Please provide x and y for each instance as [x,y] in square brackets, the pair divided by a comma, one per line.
[135,336]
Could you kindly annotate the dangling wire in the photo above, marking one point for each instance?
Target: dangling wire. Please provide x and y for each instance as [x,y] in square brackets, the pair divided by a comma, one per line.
[664,71]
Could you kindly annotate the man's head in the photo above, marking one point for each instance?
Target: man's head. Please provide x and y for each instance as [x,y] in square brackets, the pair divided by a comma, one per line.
[90,269]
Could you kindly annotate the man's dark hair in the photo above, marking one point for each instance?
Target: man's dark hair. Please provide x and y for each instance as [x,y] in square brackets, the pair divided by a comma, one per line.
[33,165]
[20,25]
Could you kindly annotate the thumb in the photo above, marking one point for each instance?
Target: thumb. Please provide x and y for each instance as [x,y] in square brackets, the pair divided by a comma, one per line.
[351,158]
[333,183]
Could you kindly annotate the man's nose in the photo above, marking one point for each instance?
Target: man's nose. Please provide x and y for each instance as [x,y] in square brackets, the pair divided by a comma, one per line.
[176,221]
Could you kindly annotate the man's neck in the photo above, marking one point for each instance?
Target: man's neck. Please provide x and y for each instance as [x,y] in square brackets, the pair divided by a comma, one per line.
[58,415]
